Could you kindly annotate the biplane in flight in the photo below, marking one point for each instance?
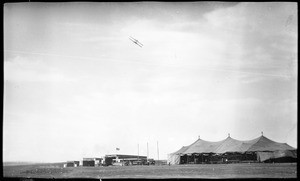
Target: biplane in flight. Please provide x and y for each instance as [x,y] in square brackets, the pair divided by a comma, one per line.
[136,42]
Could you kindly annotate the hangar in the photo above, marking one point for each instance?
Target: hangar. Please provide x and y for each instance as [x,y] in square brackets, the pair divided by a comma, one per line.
[231,150]
[117,159]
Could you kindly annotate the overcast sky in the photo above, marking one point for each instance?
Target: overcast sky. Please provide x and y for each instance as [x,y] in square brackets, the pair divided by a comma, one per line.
[76,86]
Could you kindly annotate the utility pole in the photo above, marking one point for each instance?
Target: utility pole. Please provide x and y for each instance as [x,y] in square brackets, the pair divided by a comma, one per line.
[157,152]
[147,152]
[138,152]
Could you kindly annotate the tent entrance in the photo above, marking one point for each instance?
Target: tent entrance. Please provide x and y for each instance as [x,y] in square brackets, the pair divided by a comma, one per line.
[196,159]
[213,158]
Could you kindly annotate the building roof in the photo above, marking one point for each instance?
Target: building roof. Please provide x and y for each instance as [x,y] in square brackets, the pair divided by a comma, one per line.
[181,150]
[92,159]
[125,156]
[72,161]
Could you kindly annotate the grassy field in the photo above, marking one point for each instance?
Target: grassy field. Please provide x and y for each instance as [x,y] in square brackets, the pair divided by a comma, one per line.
[254,170]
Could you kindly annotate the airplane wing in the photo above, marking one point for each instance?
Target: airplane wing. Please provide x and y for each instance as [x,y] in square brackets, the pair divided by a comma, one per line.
[133,38]
[140,43]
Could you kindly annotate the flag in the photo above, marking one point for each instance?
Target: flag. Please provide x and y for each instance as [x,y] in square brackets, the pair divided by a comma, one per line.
[117,149]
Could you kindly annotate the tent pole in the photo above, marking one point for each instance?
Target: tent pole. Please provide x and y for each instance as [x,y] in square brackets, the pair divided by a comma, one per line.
[187,159]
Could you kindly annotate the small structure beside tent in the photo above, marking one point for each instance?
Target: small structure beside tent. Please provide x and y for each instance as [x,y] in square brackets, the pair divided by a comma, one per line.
[91,162]
[231,150]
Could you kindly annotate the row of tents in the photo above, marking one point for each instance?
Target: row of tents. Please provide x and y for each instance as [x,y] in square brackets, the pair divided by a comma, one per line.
[229,150]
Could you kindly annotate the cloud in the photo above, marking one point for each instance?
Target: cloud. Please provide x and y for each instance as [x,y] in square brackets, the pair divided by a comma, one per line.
[34,69]
[266,18]
[256,36]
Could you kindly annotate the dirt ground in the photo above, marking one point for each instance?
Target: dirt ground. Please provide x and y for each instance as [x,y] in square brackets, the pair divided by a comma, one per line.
[253,170]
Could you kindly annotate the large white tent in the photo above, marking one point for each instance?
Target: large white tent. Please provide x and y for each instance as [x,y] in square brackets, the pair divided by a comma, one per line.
[264,149]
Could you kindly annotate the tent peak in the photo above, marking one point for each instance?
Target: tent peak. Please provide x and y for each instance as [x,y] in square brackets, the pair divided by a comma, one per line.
[262,136]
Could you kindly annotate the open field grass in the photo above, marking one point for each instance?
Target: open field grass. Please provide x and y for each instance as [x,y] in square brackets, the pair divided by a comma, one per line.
[253,170]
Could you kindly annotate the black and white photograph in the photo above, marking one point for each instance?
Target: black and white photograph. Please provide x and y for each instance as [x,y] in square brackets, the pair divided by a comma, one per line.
[150,90]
